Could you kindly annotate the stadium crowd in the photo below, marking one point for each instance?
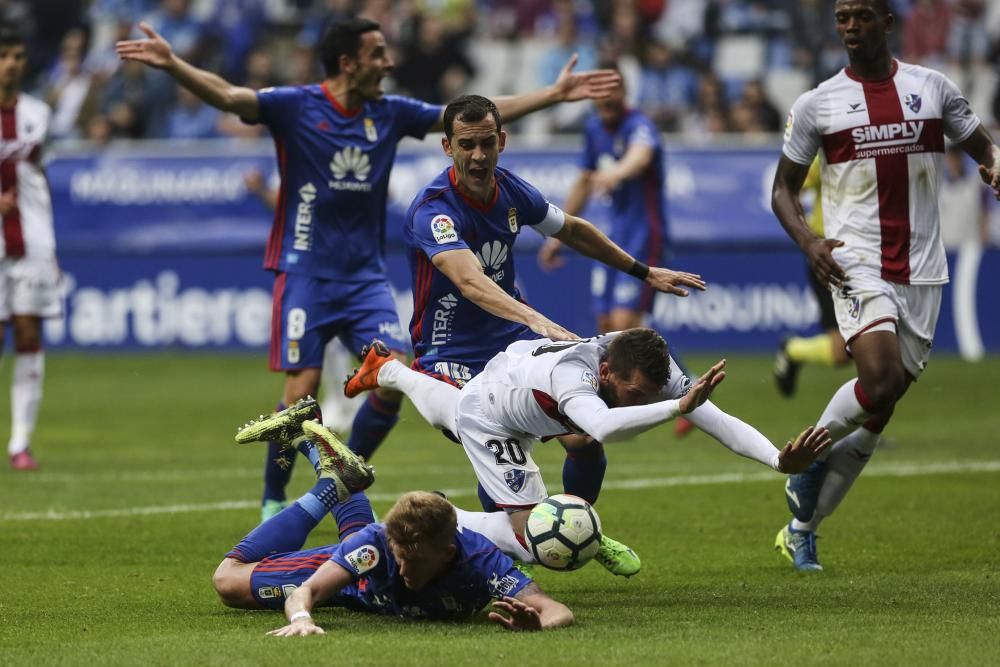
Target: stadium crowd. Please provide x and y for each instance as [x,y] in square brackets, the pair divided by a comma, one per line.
[699,67]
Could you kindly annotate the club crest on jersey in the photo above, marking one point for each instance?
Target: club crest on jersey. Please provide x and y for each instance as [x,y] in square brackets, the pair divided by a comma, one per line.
[370,132]
[514,479]
[443,229]
[590,379]
[913,101]
[512,219]
[363,558]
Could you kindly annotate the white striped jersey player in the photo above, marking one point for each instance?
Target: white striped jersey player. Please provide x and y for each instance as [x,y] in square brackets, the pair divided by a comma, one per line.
[540,388]
[28,271]
[881,147]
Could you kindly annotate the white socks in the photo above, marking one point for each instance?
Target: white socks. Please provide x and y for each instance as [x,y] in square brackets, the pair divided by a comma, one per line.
[494,526]
[435,400]
[25,397]
[843,414]
[846,461]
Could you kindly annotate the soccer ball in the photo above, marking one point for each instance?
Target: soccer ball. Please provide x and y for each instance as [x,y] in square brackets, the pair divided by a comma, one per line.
[563,532]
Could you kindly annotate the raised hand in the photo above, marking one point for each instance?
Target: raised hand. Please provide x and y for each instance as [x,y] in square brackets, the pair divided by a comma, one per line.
[516,615]
[593,84]
[703,388]
[154,51]
[550,255]
[799,455]
[665,280]
[820,255]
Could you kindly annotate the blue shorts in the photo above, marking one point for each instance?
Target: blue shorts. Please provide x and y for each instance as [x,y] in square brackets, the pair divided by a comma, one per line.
[275,577]
[308,312]
[614,290]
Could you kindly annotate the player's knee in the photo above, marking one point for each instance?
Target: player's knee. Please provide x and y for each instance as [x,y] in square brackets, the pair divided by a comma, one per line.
[231,584]
[885,389]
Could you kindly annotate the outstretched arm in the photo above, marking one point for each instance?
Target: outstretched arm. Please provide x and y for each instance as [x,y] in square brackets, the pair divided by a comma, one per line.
[741,438]
[637,157]
[569,87]
[322,585]
[531,609]
[591,242]
[785,203]
[463,269]
[213,89]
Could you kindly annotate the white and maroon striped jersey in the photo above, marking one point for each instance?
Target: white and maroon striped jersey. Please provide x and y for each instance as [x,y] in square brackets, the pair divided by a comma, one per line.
[27,230]
[882,162]
[526,387]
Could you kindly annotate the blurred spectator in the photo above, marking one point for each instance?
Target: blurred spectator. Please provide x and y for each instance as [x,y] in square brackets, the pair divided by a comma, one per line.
[191,118]
[234,28]
[434,67]
[67,85]
[259,69]
[968,42]
[963,201]
[566,117]
[755,100]
[666,88]
[135,102]
[925,34]
[175,23]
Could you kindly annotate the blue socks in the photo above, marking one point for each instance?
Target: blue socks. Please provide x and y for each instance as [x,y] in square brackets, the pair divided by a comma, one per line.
[583,471]
[277,469]
[353,514]
[288,530]
[372,423]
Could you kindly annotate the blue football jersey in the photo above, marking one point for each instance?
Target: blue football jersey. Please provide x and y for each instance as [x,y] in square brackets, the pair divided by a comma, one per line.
[451,335]
[638,220]
[334,167]
[479,573]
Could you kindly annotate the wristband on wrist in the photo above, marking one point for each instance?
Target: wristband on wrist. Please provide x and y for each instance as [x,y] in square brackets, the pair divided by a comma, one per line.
[299,615]
[639,270]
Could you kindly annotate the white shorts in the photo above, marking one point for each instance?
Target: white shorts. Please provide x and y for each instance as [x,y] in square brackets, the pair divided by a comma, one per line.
[29,286]
[911,311]
[501,459]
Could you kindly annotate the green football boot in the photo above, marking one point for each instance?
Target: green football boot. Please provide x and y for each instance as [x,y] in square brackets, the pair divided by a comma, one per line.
[337,462]
[617,558]
[283,426]
[271,508]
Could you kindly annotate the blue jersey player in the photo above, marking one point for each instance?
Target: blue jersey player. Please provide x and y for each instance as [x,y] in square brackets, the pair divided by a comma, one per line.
[622,159]
[336,142]
[417,564]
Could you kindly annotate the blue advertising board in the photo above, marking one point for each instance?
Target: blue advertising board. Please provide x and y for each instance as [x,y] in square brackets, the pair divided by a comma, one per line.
[165,250]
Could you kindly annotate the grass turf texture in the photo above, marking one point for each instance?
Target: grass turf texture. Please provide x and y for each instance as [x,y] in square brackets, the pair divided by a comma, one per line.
[912,561]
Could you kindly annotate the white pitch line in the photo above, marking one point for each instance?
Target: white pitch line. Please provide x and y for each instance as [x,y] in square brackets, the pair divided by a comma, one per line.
[885,470]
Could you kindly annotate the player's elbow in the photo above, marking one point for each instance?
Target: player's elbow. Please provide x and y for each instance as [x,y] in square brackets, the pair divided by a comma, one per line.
[561,617]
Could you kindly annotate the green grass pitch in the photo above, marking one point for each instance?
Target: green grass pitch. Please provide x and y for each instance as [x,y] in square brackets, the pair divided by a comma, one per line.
[108,551]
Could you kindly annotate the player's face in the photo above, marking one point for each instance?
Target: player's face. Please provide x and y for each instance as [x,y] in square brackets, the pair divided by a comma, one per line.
[621,390]
[861,29]
[475,148]
[373,64]
[422,562]
[611,109]
[12,62]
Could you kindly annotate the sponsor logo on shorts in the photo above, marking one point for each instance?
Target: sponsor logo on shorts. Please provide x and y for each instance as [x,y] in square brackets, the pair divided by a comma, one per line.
[854,307]
[392,329]
[500,586]
[444,230]
[275,592]
[363,558]
[514,479]
[457,372]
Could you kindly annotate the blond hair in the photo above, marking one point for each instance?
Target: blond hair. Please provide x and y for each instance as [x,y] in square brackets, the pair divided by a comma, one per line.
[419,517]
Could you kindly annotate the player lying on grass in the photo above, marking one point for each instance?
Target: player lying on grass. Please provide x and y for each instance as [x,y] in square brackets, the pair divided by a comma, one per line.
[611,387]
[418,563]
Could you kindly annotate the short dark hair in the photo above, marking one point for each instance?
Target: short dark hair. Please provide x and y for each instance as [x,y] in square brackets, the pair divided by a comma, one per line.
[343,38]
[881,7]
[471,109]
[640,349]
[10,35]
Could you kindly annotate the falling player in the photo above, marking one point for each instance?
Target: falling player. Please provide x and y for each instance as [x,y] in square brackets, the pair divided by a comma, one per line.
[879,127]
